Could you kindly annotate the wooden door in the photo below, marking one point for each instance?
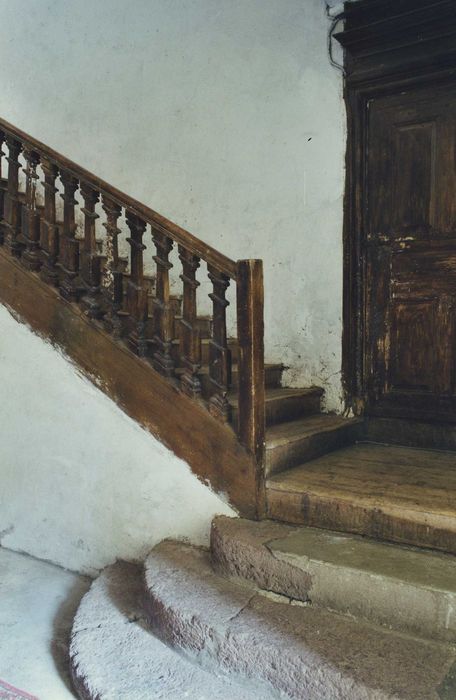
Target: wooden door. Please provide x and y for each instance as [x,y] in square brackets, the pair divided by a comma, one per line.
[410,238]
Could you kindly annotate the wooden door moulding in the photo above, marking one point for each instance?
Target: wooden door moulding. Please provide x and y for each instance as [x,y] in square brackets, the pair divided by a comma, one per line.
[386,37]
[390,46]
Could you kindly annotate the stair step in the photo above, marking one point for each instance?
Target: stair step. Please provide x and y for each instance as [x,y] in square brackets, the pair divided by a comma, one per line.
[272,376]
[284,404]
[232,344]
[402,588]
[299,650]
[113,655]
[292,443]
[399,494]
[204,324]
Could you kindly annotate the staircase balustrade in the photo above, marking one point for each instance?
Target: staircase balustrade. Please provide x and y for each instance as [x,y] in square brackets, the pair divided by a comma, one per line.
[121,298]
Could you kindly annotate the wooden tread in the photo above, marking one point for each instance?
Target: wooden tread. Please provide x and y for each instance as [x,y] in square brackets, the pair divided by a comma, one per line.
[284,404]
[393,493]
[289,444]
[272,377]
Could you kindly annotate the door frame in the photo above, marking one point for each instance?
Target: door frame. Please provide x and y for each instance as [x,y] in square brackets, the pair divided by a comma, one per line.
[399,55]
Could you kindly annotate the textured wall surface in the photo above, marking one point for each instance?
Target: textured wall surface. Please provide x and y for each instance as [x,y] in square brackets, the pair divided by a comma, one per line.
[81,483]
[227,117]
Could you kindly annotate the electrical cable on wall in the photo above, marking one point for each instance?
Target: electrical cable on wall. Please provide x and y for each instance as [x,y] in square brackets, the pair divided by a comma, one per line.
[335,19]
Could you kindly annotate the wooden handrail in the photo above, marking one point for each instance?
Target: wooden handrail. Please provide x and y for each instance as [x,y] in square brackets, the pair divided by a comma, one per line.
[161,223]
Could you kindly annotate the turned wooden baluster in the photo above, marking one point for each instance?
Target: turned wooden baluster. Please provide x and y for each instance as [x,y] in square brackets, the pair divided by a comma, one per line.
[136,291]
[163,312]
[69,257]
[12,205]
[90,259]
[3,185]
[113,277]
[49,231]
[190,347]
[30,216]
[219,353]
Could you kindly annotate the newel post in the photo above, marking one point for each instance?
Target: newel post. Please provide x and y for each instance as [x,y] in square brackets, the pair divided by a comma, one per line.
[250,329]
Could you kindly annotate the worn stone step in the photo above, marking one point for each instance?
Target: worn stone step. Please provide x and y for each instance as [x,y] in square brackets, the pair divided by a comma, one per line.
[295,442]
[390,493]
[402,588]
[114,656]
[299,650]
[284,404]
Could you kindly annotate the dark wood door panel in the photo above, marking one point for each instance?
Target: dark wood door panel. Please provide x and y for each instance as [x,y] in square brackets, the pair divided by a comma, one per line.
[412,363]
[411,164]
[421,347]
[410,216]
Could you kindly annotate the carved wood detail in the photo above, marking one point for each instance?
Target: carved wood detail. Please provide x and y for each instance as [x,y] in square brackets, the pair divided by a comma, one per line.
[90,259]
[3,186]
[69,258]
[136,290]
[162,307]
[219,353]
[30,216]
[190,349]
[49,231]
[113,275]
[12,205]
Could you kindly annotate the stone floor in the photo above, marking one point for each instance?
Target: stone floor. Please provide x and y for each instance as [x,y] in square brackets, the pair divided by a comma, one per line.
[37,605]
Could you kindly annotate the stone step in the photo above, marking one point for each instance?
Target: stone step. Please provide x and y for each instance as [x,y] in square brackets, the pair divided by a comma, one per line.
[301,651]
[298,441]
[114,656]
[284,404]
[402,588]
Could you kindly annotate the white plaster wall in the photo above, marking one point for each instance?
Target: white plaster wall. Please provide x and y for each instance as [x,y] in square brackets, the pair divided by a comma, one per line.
[81,484]
[225,116]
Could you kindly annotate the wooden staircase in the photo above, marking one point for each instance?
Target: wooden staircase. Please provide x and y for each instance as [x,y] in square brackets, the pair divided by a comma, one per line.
[120,294]
[197,380]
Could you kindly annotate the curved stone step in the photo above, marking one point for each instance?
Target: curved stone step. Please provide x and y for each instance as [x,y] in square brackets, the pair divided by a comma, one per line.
[400,587]
[114,656]
[300,651]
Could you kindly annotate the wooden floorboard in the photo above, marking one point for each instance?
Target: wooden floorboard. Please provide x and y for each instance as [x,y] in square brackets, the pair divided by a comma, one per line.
[401,494]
